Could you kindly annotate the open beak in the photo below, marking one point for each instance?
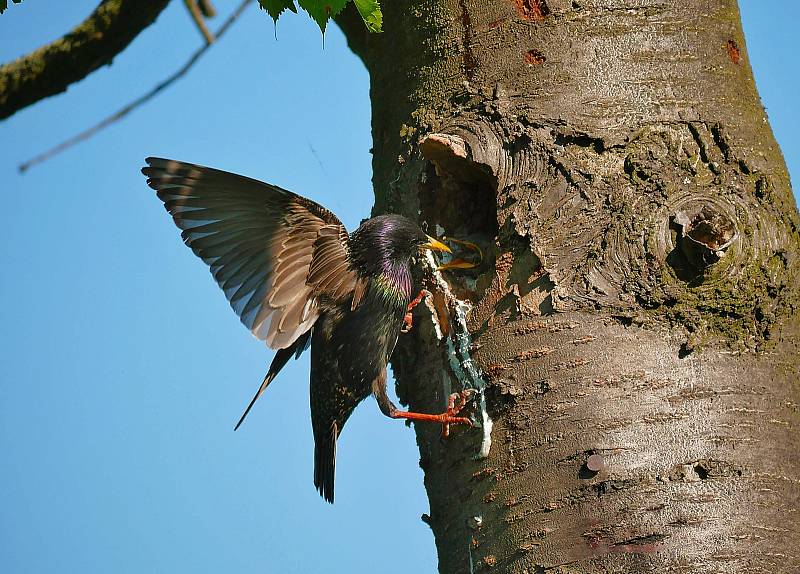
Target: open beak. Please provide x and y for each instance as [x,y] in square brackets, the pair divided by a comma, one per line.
[436,245]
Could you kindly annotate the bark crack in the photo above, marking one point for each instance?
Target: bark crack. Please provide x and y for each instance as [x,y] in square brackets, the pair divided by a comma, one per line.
[468,58]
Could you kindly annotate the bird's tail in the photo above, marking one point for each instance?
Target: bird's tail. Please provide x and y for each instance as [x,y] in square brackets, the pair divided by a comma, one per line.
[325,461]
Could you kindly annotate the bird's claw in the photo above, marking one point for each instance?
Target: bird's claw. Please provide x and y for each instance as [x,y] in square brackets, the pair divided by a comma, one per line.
[408,318]
[455,403]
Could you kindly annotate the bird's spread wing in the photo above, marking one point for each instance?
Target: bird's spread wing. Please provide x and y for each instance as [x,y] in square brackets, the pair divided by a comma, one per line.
[275,254]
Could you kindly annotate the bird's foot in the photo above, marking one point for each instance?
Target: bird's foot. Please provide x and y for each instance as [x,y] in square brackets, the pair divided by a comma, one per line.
[455,403]
[408,319]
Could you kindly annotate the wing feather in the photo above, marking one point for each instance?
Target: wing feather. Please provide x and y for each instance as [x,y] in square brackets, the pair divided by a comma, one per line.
[275,254]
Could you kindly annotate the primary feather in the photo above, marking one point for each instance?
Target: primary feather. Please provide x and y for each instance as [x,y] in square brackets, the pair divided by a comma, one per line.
[261,243]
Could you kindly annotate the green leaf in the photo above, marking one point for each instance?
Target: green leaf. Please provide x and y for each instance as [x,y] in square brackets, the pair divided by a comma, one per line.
[276,7]
[322,10]
[370,11]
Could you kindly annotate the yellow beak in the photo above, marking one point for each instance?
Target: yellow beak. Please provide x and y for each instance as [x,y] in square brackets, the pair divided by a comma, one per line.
[436,245]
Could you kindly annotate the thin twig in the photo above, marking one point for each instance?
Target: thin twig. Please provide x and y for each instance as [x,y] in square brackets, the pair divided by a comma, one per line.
[207,8]
[194,10]
[86,134]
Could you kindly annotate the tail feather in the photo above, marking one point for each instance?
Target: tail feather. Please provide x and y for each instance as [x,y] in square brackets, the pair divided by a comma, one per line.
[278,362]
[325,462]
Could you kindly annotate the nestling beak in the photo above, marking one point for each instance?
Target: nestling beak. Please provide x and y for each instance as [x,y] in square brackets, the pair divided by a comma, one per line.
[435,245]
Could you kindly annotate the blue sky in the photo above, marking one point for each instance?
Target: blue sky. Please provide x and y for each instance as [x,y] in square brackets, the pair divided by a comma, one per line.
[122,367]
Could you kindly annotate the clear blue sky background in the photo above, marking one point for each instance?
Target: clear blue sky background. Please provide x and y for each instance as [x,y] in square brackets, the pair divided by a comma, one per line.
[122,367]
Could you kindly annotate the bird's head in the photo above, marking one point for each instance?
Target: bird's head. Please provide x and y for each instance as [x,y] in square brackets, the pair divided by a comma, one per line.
[391,239]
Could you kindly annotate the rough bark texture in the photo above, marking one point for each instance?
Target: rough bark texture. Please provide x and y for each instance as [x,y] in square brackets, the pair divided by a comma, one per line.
[634,325]
[93,43]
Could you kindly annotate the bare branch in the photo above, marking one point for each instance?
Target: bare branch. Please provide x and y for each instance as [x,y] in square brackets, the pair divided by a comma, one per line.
[50,69]
[207,8]
[197,16]
[86,134]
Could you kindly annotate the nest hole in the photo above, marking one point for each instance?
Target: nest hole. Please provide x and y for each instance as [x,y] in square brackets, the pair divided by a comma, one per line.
[459,200]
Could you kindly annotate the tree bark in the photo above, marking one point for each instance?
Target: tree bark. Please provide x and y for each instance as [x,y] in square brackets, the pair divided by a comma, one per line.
[633,329]
[93,43]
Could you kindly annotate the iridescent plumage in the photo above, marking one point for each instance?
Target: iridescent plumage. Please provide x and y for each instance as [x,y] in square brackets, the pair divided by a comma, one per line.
[297,279]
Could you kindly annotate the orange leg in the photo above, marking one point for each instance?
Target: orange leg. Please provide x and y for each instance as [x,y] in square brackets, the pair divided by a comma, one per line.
[408,320]
[455,403]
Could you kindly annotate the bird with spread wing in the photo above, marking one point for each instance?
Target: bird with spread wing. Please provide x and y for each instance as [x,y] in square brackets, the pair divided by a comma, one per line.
[296,278]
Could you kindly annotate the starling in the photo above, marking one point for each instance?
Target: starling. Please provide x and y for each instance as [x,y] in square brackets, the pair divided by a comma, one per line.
[296,279]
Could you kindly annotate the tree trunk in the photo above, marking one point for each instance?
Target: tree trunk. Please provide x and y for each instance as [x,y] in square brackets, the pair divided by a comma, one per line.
[633,327]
